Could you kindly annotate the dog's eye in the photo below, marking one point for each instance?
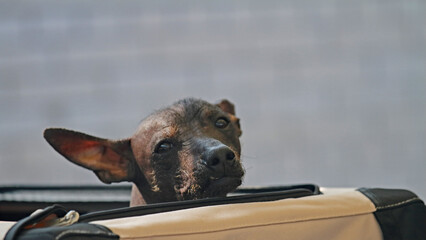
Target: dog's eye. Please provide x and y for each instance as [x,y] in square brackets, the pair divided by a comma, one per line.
[222,123]
[163,147]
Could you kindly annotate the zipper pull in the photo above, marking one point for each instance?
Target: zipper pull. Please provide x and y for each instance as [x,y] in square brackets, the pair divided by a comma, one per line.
[70,218]
[52,220]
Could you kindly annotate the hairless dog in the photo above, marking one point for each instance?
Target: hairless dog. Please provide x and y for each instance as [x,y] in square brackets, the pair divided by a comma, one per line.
[189,150]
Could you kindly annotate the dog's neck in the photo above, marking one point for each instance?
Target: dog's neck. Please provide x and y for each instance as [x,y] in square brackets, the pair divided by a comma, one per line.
[136,198]
[142,193]
[142,197]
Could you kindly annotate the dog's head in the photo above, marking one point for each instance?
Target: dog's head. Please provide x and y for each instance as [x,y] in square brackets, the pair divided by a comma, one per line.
[189,150]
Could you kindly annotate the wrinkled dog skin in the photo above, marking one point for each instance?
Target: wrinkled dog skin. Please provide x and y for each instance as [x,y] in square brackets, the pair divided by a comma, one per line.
[189,150]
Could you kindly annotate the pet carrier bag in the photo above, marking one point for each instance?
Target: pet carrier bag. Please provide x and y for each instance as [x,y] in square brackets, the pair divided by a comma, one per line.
[291,212]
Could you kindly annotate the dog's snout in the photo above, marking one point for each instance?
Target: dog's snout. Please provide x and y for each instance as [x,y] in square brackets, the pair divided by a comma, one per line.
[215,158]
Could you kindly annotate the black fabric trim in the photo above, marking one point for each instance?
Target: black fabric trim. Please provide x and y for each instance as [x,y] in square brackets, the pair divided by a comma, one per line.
[78,231]
[400,213]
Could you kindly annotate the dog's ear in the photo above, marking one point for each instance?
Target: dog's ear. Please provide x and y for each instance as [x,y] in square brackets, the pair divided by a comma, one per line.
[226,106]
[112,161]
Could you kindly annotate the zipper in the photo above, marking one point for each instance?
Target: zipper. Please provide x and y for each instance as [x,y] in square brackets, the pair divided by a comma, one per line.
[260,195]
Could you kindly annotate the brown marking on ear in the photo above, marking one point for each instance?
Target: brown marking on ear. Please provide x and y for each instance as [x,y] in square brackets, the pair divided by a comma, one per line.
[226,106]
[112,161]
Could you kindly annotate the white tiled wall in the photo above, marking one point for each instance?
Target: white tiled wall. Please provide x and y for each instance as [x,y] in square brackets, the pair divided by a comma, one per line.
[330,92]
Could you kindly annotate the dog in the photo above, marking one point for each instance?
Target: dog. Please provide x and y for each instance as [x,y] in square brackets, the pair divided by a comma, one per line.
[189,150]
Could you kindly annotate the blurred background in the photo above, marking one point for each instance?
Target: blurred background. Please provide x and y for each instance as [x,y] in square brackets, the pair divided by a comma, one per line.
[328,92]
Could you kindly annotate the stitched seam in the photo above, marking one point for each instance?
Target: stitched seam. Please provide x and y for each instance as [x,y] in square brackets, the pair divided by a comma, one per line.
[244,227]
[248,226]
[398,203]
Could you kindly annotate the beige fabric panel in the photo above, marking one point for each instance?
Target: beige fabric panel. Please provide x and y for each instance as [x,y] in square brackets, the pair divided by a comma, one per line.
[4,227]
[346,215]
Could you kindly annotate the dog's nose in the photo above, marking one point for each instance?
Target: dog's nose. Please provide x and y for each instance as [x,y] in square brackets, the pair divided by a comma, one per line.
[217,157]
